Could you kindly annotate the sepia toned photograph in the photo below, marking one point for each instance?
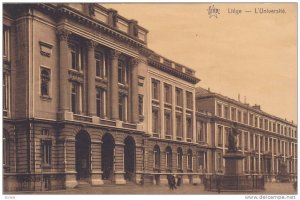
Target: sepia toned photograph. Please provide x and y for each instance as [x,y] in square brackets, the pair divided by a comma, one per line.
[149,99]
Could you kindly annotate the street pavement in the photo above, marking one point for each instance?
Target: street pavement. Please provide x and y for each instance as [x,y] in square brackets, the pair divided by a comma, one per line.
[270,188]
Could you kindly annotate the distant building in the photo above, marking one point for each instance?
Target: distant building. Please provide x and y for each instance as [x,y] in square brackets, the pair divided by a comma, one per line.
[266,140]
[85,100]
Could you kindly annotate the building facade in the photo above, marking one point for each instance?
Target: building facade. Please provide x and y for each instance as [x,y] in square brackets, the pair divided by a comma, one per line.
[268,142]
[85,100]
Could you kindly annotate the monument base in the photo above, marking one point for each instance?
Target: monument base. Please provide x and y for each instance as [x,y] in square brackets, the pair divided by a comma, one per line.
[234,163]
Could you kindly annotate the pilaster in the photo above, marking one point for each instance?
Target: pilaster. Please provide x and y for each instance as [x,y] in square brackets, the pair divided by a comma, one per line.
[114,84]
[91,78]
[119,164]
[134,90]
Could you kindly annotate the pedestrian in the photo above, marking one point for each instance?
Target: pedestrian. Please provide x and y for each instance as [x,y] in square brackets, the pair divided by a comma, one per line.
[173,181]
[169,181]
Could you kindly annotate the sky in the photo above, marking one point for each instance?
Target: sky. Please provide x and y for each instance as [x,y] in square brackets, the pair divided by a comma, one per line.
[248,54]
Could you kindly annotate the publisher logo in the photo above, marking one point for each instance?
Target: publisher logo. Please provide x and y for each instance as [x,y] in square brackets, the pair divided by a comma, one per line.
[212,11]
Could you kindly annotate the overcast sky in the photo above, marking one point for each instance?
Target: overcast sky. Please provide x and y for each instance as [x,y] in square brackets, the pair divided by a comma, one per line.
[254,55]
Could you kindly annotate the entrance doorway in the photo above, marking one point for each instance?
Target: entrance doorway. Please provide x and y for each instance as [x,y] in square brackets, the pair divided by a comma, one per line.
[129,158]
[108,147]
[83,148]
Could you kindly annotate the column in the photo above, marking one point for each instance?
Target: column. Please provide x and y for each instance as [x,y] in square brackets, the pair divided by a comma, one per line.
[119,164]
[134,90]
[69,155]
[174,128]
[194,135]
[91,78]
[139,163]
[162,109]
[96,172]
[184,135]
[64,90]
[114,88]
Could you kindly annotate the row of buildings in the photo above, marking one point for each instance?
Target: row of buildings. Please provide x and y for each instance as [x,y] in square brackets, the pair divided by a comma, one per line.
[85,100]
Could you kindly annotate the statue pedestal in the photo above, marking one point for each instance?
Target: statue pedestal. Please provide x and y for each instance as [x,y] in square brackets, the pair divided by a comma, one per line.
[234,163]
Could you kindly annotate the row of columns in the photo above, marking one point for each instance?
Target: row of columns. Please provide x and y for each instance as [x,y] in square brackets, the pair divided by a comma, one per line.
[64,65]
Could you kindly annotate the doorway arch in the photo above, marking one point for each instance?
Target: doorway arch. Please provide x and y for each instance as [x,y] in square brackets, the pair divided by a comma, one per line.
[83,155]
[129,158]
[107,154]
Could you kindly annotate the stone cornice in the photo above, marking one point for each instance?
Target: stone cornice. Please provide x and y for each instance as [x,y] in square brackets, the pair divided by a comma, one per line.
[172,71]
[64,10]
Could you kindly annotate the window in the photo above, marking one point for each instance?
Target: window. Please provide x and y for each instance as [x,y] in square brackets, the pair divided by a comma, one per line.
[189,100]
[45,79]
[122,107]
[226,136]
[122,72]
[246,163]
[266,144]
[256,122]
[155,89]
[168,93]
[6,43]
[219,110]
[251,141]
[239,141]
[251,119]
[100,64]
[156,157]
[278,128]
[233,114]
[46,152]
[226,112]
[266,124]
[190,160]
[178,97]
[274,127]
[168,158]
[256,142]
[167,124]
[220,136]
[260,123]
[246,140]
[202,161]
[155,120]
[245,118]
[100,102]
[219,162]
[179,158]
[239,116]
[189,128]
[75,57]
[5,149]
[6,92]
[201,131]
[141,105]
[75,98]
[178,125]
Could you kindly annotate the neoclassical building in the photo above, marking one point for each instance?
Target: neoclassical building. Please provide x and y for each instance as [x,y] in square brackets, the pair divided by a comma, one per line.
[267,141]
[85,101]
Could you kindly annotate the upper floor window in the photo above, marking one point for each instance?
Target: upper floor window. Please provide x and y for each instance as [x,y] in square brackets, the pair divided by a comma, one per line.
[167,121]
[167,93]
[219,110]
[251,119]
[6,91]
[239,116]
[100,64]
[178,97]
[233,114]
[226,112]
[155,120]
[6,43]
[45,79]
[122,107]
[274,127]
[189,100]
[75,57]
[122,72]
[141,105]
[246,140]
[155,89]
[256,122]
[245,118]
[76,98]
[220,136]
[227,130]
[178,125]
[100,102]
[266,124]
[189,127]
[260,123]
[201,131]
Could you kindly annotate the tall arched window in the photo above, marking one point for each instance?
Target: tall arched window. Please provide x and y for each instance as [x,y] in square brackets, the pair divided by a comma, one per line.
[179,158]
[189,160]
[156,157]
[168,158]
[45,79]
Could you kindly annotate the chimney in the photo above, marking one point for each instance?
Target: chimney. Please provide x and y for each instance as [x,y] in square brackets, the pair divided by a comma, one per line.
[208,89]
[239,97]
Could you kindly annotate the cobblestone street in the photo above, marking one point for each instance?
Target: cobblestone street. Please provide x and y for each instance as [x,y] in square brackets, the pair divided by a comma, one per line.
[270,188]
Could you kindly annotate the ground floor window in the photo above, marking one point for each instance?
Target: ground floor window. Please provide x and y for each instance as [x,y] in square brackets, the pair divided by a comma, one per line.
[46,152]
[169,158]
[179,158]
[156,157]
[190,160]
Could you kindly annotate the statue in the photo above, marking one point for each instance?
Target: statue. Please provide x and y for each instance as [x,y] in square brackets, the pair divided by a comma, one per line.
[232,138]
[91,8]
